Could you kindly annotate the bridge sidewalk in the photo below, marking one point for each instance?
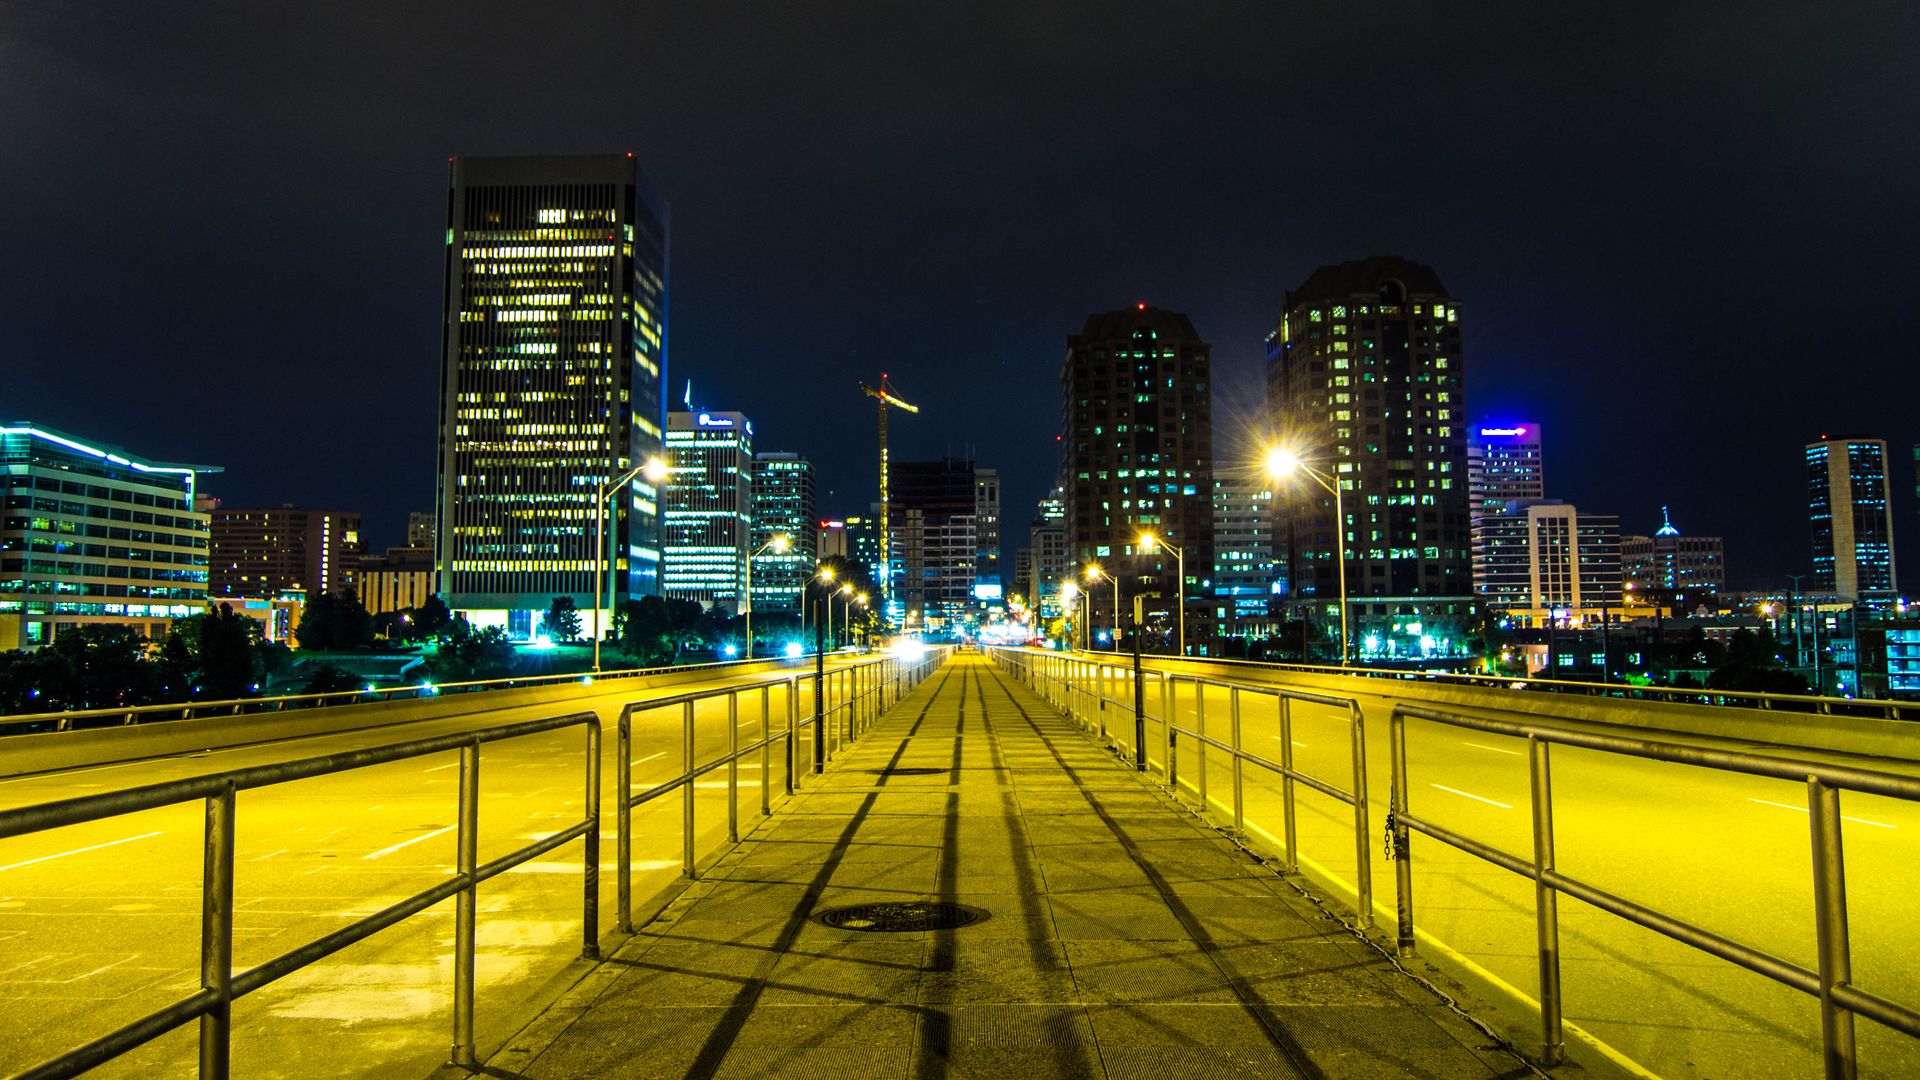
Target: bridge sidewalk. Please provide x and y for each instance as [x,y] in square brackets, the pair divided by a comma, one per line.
[1121,938]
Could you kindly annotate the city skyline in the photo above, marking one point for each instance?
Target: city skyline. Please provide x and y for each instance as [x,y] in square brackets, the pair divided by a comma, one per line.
[1575,219]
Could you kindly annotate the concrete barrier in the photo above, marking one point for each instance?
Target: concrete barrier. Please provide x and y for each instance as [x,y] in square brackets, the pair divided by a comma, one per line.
[46,751]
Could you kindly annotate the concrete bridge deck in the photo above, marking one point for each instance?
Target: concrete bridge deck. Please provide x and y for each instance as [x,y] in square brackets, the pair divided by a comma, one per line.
[1120,937]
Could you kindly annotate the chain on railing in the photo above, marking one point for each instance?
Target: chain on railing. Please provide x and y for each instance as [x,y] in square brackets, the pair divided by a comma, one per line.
[1077,686]
[865,691]
[1831,983]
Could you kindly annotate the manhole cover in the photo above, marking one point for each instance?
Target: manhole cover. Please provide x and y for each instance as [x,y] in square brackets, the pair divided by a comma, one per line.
[909,770]
[900,916]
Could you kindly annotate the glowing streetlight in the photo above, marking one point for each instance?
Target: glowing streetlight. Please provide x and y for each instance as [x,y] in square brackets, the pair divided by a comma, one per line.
[778,545]
[1148,542]
[1283,463]
[1094,573]
[655,472]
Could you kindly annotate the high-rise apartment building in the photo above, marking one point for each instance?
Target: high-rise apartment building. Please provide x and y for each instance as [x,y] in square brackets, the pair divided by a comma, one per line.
[1668,566]
[708,507]
[95,534]
[937,509]
[1243,563]
[988,584]
[1545,559]
[1049,561]
[1137,405]
[1852,519]
[1365,384]
[783,505]
[265,552]
[554,348]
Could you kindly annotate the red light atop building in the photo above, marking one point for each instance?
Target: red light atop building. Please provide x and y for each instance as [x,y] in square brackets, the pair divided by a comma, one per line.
[1142,305]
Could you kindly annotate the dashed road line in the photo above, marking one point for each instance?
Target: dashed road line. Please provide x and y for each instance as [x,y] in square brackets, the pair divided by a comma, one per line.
[1475,798]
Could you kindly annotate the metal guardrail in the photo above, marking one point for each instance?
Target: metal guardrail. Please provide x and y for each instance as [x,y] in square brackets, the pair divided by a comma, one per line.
[1077,685]
[1831,983]
[865,691]
[190,710]
[1885,709]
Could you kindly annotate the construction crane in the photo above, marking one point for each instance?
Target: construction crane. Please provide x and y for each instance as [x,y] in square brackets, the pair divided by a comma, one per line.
[886,398]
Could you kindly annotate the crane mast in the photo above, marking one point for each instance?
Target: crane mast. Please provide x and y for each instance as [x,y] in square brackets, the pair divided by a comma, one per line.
[884,394]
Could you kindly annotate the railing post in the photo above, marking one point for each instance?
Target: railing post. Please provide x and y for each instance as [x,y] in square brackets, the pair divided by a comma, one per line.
[216,936]
[1363,861]
[1290,859]
[623,820]
[1402,856]
[793,730]
[1546,903]
[1139,707]
[686,823]
[1830,915]
[1167,696]
[1200,743]
[733,767]
[590,883]
[466,860]
[766,749]
[1233,732]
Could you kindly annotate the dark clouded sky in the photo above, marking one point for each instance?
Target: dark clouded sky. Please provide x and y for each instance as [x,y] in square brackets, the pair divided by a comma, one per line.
[1684,234]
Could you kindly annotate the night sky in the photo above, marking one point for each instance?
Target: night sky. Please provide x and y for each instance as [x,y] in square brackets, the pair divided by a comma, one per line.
[1683,234]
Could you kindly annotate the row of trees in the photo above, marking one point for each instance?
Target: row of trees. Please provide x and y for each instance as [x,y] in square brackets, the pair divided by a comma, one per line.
[210,657]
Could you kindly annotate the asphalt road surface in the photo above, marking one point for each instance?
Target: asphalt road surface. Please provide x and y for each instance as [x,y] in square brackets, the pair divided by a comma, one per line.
[99,923]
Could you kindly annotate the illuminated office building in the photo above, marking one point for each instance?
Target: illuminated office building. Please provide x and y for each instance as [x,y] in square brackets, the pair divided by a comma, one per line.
[264,552]
[93,534]
[1504,464]
[783,505]
[709,507]
[945,531]
[1852,521]
[1545,559]
[1365,383]
[555,344]
[1668,567]
[1137,404]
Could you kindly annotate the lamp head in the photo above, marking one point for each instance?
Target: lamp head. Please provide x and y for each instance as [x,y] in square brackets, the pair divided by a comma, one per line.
[1148,541]
[781,544]
[1282,462]
[655,470]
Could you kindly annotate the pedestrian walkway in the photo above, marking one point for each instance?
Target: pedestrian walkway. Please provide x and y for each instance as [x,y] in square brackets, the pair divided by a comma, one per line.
[1115,936]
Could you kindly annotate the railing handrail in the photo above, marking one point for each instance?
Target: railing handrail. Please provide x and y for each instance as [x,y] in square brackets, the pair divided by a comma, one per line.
[280,702]
[1830,982]
[1888,708]
[222,984]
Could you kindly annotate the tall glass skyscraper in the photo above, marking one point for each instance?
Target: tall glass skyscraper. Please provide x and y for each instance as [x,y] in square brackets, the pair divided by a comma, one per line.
[709,507]
[1365,383]
[555,347]
[1852,520]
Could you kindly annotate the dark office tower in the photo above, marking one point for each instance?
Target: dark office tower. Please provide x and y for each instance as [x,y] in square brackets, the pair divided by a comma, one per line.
[783,505]
[555,345]
[1852,524]
[1364,382]
[1138,412]
[937,511]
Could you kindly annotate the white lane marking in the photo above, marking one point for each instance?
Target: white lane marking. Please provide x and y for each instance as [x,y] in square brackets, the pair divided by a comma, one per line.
[270,855]
[1296,742]
[77,851]
[1495,749]
[1804,810]
[1471,795]
[410,843]
[649,757]
[438,768]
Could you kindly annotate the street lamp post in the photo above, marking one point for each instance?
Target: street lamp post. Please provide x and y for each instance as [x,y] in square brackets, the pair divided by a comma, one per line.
[825,573]
[1070,601]
[656,471]
[1095,573]
[1284,463]
[1149,541]
[846,610]
[779,545]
